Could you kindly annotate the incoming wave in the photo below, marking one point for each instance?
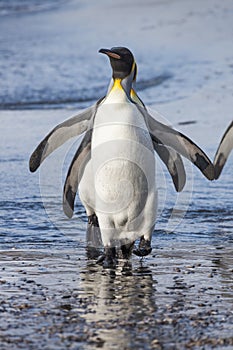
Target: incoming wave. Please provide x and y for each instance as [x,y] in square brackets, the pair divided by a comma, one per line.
[15,7]
[61,99]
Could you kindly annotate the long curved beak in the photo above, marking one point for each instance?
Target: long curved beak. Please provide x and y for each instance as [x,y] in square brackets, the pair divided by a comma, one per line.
[110,53]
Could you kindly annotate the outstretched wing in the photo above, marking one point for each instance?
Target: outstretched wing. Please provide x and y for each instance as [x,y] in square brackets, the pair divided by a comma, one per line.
[169,156]
[174,164]
[73,126]
[224,149]
[75,172]
[165,135]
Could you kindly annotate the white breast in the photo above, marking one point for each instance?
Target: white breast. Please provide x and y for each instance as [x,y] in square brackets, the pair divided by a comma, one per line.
[123,171]
[122,154]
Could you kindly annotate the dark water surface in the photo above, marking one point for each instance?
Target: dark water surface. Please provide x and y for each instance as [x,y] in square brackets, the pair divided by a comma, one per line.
[51,295]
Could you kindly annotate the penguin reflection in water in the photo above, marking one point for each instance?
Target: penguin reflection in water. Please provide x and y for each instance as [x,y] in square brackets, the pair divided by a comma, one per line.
[114,166]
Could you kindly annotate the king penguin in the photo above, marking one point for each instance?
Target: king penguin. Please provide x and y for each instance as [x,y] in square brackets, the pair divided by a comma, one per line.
[169,157]
[118,183]
[224,149]
[114,168]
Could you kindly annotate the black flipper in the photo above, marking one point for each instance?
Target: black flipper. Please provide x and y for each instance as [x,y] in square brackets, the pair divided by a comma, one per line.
[170,157]
[174,164]
[71,127]
[224,149]
[165,135]
[75,173]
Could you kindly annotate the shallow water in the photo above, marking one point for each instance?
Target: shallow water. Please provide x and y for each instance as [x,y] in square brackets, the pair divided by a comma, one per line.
[51,294]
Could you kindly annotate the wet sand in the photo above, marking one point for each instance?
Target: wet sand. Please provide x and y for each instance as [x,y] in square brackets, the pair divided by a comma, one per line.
[179,298]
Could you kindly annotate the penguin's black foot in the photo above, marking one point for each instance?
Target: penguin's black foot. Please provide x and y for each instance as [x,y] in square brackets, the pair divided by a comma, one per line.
[126,250]
[144,248]
[93,238]
[93,253]
[93,220]
[108,259]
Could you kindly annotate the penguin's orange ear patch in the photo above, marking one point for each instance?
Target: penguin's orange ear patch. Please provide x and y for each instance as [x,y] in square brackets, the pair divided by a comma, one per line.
[114,55]
[110,53]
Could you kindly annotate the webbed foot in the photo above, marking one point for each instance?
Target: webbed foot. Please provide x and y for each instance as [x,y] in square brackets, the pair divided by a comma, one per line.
[108,259]
[126,250]
[144,247]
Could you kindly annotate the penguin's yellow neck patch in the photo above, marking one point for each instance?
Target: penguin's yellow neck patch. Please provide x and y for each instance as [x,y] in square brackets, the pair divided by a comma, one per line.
[133,94]
[117,85]
[135,97]
[117,94]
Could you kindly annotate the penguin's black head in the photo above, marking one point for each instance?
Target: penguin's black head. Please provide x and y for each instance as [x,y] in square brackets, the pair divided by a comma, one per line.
[122,61]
